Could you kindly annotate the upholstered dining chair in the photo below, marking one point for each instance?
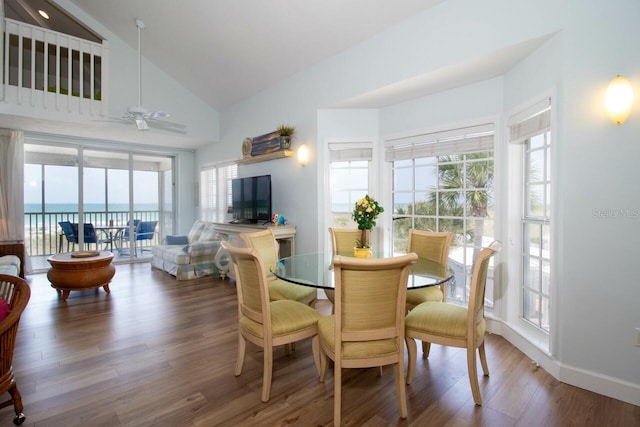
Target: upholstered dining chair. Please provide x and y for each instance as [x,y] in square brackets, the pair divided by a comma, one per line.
[14,296]
[453,325]
[367,328]
[265,243]
[433,246]
[263,322]
[343,240]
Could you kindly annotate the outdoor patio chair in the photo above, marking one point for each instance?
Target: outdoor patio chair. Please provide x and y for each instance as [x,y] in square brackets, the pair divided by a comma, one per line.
[68,233]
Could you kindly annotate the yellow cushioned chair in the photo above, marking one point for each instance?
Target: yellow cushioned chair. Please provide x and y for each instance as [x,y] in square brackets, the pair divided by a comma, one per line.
[453,325]
[367,329]
[343,240]
[434,246]
[267,246]
[267,323]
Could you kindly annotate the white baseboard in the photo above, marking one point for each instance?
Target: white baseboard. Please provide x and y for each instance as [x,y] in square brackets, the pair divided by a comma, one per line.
[588,380]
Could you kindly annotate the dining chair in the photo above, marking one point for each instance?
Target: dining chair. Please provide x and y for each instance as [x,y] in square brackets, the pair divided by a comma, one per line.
[343,240]
[14,296]
[434,246]
[367,328]
[263,322]
[452,325]
[266,245]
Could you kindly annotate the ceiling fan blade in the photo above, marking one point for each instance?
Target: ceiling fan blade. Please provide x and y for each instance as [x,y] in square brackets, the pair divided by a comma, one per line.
[169,127]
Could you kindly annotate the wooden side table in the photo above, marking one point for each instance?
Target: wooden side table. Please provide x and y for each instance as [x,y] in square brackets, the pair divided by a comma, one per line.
[69,273]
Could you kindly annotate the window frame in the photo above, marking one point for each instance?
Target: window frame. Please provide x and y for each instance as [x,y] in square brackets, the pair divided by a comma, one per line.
[213,204]
[462,139]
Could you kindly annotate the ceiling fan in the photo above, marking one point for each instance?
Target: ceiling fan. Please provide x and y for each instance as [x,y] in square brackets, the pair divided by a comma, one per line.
[140,116]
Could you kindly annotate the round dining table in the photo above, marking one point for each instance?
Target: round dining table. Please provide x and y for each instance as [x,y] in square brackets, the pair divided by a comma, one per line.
[315,270]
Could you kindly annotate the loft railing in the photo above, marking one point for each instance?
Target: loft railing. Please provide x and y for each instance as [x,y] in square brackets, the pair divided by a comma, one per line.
[42,232]
[50,70]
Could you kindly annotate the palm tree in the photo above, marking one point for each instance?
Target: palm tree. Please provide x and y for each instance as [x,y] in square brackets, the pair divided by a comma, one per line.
[473,172]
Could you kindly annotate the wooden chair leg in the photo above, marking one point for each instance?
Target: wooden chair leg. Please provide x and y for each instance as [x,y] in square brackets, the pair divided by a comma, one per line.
[426,348]
[400,389]
[242,345]
[473,375]
[337,393]
[323,365]
[315,350]
[412,349]
[483,360]
[267,373]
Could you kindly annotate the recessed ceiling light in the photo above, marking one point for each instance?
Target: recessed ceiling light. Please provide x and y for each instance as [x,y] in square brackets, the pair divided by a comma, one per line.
[44,14]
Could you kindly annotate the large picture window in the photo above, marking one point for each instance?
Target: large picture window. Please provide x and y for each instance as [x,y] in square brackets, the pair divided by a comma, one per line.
[444,181]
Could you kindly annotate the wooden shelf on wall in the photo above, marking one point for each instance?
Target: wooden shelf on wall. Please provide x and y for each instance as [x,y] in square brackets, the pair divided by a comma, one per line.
[264,157]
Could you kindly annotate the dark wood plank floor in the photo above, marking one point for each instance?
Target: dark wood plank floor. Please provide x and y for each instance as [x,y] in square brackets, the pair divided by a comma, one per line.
[156,352]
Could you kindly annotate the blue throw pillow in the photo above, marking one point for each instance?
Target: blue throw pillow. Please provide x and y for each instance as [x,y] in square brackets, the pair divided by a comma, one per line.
[177,240]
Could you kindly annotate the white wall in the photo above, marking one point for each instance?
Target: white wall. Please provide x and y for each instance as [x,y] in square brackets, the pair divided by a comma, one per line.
[596,167]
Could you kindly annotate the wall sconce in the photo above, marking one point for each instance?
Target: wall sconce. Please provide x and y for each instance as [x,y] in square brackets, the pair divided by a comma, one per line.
[303,155]
[618,99]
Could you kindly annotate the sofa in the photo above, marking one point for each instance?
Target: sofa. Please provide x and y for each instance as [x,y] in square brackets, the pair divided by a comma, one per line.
[12,258]
[196,254]
[10,264]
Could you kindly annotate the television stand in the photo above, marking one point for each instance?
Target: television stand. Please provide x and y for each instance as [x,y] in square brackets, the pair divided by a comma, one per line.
[284,234]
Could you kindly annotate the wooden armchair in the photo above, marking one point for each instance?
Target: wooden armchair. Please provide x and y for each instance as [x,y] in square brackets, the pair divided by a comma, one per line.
[16,292]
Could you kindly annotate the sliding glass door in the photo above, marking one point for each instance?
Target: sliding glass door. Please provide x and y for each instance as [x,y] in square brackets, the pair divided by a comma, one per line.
[123,200]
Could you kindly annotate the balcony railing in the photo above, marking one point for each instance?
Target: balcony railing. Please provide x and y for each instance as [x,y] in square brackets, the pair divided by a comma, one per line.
[42,232]
[47,70]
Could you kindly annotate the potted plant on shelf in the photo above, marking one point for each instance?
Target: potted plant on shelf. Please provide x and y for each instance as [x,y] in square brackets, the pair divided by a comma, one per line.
[365,212]
[285,132]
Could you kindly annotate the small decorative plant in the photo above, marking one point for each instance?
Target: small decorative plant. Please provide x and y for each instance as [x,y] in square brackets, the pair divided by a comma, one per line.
[286,130]
[365,212]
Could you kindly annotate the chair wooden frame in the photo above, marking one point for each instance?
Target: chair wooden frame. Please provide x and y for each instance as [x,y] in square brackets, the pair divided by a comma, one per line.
[474,324]
[429,245]
[342,240]
[267,247]
[16,292]
[367,329]
[259,318]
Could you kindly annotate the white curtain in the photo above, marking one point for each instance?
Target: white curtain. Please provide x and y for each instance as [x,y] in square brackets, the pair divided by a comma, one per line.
[12,187]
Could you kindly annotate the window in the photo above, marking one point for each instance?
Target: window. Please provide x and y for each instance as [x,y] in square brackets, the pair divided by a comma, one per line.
[535,136]
[443,181]
[215,191]
[349,165]
[83,184]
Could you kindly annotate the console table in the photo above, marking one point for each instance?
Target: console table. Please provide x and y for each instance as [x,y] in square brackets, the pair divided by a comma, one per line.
[285,236]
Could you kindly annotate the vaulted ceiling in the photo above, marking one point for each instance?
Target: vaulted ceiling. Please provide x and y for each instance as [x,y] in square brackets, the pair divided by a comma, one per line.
[226,51]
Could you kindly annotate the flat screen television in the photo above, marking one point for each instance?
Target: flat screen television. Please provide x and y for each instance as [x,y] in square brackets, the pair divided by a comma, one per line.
[251,199]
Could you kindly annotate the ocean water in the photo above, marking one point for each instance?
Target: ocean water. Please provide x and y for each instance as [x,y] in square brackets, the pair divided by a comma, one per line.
[95,213]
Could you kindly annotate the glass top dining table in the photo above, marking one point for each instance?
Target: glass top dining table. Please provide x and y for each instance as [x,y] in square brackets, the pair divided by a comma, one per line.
[314,270]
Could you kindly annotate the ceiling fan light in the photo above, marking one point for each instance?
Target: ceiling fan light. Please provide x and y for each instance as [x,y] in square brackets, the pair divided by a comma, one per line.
[141,124]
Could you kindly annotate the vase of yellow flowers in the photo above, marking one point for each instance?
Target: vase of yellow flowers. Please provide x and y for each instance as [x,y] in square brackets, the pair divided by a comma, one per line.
[365,212]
